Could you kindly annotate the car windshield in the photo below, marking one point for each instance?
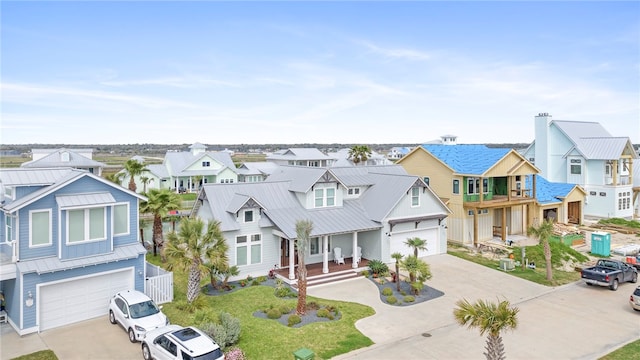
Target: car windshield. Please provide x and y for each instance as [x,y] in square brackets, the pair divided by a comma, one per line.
[213,355]
[143,309]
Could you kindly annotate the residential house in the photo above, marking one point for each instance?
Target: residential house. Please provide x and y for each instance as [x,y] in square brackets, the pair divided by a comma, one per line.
[484,187]
[397,152]
[342,159]
[255,171]
[584,153]
[370,209]
[75,158]
[301,157]
[559,202]
[69,243]
[186,171]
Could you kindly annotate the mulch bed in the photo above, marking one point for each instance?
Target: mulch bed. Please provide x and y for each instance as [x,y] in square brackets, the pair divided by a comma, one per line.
[427,293]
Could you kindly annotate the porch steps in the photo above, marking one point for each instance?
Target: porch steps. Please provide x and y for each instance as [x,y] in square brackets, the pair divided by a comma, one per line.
[329,278]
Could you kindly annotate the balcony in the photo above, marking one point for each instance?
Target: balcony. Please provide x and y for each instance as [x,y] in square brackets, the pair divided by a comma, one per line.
[8,258]
[518,197]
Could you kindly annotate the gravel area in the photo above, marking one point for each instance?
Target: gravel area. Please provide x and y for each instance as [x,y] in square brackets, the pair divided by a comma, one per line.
[427,293]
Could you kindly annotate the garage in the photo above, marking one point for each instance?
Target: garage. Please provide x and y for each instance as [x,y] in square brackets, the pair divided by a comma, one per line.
[398,242]
[79,299]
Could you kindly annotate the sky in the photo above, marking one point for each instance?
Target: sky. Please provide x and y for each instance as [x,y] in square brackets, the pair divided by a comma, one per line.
[294,72]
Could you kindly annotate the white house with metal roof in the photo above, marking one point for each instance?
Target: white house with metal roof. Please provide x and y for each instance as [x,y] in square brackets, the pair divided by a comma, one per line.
[311,157]
[584,153]
[69,242]
[375,209]
[75,158]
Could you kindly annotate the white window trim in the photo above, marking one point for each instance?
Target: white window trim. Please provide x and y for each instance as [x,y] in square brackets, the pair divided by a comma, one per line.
[113,218]
[248,244]
[415,196]
[244,216]
[31,228]
[87,227]
[324,197]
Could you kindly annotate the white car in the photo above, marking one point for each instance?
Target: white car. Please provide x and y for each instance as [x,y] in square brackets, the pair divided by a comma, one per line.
[136,312]
[174,342]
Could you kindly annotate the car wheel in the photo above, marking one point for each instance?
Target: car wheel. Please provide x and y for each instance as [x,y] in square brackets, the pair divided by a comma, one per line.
[146,353]
[614,285]
[112,318]
[634,279]
[132,335]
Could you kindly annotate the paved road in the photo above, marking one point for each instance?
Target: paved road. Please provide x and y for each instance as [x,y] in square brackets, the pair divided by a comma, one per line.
[569,322]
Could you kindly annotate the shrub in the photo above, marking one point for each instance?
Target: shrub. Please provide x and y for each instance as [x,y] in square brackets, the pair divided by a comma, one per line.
[255,282]
[262,279]
[387,291]
[392,299]
[377,266]
[235,354]
[294,319]
[312,305]
[203,316]
[216,332]
[325,313]
[417,287]
[284,309]
[403,292]
[408,299]
[249,278]
[273,313]
[284,292]
[232,328]
[365,273]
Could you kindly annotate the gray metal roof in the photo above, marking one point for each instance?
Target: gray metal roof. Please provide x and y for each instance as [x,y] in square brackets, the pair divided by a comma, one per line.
[33,177]
[53,264]
[158,170]
[54,159]
[299,154]
[301,178]
[101,198]
[179,161]
[604,148]
[257,168]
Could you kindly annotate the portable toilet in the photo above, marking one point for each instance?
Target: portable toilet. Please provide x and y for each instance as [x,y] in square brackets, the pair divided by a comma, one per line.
[601,243]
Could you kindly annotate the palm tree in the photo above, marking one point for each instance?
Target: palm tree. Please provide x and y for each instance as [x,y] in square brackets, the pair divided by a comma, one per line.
[159,203]
[490,318]
[397,256]
[543,233]
[416,244]
[418,270]
[145,180]
[193,247]
[303,229]
[359,154]
[133,168]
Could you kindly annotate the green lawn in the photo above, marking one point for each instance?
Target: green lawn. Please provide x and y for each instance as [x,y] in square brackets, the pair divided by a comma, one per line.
[629,352]
[268,339]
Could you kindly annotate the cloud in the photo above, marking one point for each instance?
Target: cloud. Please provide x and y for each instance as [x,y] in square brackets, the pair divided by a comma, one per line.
[397,53]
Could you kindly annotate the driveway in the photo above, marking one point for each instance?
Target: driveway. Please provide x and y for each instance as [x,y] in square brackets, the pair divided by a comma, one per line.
[568,322]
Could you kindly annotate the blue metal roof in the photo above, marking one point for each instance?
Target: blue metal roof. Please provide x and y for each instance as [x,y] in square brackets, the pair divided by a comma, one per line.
[467,159]
[549,192]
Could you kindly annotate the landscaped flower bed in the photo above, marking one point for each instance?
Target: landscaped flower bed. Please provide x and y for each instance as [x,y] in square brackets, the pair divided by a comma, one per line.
[389,293]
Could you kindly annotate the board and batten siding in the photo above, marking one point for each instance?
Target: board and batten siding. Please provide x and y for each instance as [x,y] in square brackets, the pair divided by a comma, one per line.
[420,163]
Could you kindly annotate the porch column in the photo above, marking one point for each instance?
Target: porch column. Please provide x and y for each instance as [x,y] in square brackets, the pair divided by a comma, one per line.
[354,263]
[475,227]
[325,254]
[292,257]
[614,169]
[504,223]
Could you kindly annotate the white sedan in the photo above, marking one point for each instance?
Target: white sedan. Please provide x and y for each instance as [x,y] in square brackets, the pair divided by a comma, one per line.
[136,312]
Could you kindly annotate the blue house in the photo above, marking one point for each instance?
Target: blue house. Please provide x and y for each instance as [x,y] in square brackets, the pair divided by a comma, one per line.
[69,242]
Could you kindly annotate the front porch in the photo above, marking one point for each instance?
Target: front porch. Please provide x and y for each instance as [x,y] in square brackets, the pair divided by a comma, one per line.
[315,275]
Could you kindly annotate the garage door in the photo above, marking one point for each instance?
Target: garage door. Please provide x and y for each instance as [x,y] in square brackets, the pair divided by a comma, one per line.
[80,299]
[398,242]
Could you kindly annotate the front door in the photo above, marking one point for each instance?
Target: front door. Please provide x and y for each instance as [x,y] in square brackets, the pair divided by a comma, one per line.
[574,212]
[284,253]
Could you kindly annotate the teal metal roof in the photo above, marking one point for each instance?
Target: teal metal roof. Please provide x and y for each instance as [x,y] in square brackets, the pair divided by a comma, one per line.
[467,159]
[549,192]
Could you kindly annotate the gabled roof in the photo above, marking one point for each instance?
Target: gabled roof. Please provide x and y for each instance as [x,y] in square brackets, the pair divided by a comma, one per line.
[180,161]
[299,154]
[257,168]
[50,180]
[549,192]
[467,159]
[55,159]
[158,170]
[593,141]
[302,178]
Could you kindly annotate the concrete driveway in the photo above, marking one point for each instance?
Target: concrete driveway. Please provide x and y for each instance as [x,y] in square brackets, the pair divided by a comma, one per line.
[569,322]
[91,339]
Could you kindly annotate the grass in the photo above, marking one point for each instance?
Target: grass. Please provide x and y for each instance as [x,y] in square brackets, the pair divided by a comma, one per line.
[39,355]
[628,352]
[268,339]
[537,275]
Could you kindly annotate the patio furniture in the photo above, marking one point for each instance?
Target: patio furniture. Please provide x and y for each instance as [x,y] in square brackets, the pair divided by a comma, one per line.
[337,256]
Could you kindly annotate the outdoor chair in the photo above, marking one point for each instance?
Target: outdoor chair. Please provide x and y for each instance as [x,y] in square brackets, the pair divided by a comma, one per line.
[337,256]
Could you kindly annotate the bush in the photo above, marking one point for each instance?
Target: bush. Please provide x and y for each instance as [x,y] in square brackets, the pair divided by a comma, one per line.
[312,305]
[235,354]
[378,267]
[365,273]
[392,299]
[273,313]
[216,332]
[284,309]
[387,291]
[325,313]
[417,287]
[403,292]
[255,282]
[294,319]
[284,292]
[226,333]
[262,279]
[408,299]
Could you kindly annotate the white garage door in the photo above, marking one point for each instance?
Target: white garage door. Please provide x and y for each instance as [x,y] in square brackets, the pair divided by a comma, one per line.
[80,299]
[398,242]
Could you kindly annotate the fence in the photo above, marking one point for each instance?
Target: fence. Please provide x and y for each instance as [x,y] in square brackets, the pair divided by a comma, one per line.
[158,284]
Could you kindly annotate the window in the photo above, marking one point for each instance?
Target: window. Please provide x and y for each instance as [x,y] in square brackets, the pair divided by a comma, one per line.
[86,225]
[485,186]
[456,186]
[473,186]
[576,167]
[248,216]
[9,221]
[206,164]
[325,197]
[314,246]
[314,163]
[354,191]
[415,197]
[40,228]
[121,219]
[248,252]
[426,180]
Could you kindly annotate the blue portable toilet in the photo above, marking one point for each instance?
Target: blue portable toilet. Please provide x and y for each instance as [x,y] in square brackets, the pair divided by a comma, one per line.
[601,243]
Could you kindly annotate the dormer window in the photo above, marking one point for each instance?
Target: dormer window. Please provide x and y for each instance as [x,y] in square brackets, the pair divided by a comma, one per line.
[206,163]
[248,216]
[64,157]
[354,191]
[325,197]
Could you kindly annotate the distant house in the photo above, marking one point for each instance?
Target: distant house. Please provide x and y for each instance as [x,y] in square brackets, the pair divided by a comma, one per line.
[311,157]
[584,153]
[375,209]
[186,171]
[398,152]
[75,158]
[342,159]
[69,242]
[255,171]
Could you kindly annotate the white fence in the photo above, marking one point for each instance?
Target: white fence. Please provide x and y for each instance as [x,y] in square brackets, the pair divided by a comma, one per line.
[158,284]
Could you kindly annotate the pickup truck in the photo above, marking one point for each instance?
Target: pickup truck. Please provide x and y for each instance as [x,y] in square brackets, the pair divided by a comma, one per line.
[609,273]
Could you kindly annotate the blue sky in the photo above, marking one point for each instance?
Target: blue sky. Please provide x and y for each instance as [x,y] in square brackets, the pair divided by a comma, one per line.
[314,72]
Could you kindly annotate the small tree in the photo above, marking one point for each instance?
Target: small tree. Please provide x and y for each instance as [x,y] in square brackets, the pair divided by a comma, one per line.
[416,244]
[359,154]
[397,256]
[303,230]
[418,271]
[132,168]
[543,233]
[490,318]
